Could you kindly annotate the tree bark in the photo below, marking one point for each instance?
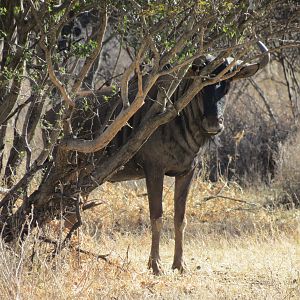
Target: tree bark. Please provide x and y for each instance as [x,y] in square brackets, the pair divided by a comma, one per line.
[2,144]
[15,158]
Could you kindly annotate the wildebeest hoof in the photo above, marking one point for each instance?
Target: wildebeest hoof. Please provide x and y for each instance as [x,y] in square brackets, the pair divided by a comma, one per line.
[155,265]
[180,266]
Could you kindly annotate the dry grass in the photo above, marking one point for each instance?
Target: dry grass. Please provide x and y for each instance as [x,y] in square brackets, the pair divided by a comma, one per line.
[234,250]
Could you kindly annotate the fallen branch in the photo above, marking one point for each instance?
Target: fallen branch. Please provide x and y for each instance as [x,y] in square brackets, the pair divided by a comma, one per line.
[254,205]
[98,256]
[231,199]
[91,204]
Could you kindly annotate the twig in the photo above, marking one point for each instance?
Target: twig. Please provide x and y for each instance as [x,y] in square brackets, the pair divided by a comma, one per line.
[265,100]
[75,226]
[48,58]
[88,93]
[89,146]
[190,30]
[126,75]
[18,108]
[16,191]
[98,256]
[91,204]
[229,198]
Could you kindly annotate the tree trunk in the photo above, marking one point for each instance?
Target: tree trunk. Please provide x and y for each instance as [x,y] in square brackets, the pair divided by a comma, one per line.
[2,144]
[15,157]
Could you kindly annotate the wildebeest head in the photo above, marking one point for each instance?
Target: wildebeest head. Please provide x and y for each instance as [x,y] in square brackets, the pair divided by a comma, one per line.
[214,95]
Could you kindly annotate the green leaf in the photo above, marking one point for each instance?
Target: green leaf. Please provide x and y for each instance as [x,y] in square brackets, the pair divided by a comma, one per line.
[3,11]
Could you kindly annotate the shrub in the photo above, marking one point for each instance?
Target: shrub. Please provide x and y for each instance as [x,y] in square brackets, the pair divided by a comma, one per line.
[288,170]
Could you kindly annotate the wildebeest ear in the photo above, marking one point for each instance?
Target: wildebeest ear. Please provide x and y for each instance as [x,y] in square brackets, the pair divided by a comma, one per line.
[251,69]
[246,71]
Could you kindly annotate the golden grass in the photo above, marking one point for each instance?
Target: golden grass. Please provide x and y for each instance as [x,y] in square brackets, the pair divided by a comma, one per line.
[234,250]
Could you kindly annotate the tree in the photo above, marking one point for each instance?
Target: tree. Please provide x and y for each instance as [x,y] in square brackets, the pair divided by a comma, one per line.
[163,38]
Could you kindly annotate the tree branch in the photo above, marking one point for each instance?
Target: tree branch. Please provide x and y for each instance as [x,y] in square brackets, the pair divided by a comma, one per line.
[126,76]
[265,101]
[90,146]
[48,57]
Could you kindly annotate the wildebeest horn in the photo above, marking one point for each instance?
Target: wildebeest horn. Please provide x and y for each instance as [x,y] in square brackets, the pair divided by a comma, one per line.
[250,69]
[266,58]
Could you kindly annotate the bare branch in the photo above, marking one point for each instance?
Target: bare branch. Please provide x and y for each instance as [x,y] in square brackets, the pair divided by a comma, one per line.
[90,146]
[18,108]
[140,92]
[264,98]
[48,58]
[181,42]
[16,192]
[183,69]
[87,93]
[129,71]
[231,199]
[78,249]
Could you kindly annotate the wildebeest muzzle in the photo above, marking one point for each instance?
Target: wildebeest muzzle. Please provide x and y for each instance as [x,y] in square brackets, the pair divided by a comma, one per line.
[213,124]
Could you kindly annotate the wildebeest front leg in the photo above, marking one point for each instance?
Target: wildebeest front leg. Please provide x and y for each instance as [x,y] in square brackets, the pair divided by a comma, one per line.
[154,181]
[182,186]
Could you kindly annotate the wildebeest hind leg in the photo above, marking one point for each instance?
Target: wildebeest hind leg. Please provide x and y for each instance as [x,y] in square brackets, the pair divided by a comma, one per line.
[154,181]
[182,186]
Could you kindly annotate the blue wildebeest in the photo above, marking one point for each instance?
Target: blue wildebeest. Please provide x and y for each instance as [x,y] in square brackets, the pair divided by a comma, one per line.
[173,149]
